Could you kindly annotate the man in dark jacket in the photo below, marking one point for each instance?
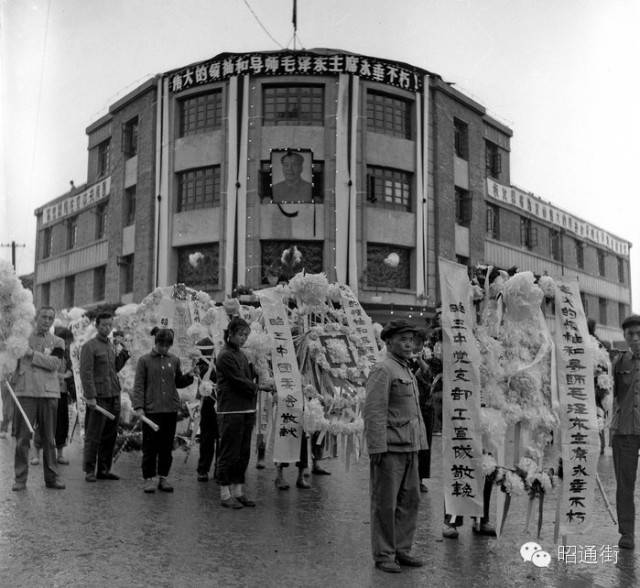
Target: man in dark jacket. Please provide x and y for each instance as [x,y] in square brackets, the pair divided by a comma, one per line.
[395,433]
[99,367]
[625,427]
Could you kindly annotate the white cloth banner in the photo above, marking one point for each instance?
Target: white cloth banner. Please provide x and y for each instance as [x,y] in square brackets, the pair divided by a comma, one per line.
[578,424]
[359,322]
[461,433]
[174,313]
[286,375]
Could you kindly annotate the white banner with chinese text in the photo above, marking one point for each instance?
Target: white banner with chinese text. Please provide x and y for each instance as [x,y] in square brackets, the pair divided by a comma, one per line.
[286,375]
[578,424]
[461,434]
[359,321]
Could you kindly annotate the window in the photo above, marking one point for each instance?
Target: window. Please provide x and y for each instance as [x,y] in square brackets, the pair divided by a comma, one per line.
[126,273]
[462,260]
[528,233]
[72,232]
[493,221]
[103,157]
[463,206]
[199,188]
[620,269]
[46,243]
[203,275]
[622,312]
[99,282]
[293,105]
[461,138]
[280,263]
[101,221]
[130,137]
[389,188]
[579,254]
[602,308]
[493,159]
[601,263]
[69,291]
[317,179]
[381,275]
[45,294]
[389,115]
[555,244]
[129,209]
[199,114]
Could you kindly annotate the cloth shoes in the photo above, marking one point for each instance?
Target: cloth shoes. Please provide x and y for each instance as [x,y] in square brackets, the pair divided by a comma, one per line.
[230,502]
[409,561]
[391,567]
[163,485]
[449,532]
[149,485]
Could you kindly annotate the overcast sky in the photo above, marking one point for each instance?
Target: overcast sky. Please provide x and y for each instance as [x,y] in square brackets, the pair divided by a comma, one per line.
[562,74]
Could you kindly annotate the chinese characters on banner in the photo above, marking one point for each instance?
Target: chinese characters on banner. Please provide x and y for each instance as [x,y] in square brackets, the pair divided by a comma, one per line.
[74,204]
[360,323]
[461,434]
[288,424]
[174,312]
[579,429]
[299,63]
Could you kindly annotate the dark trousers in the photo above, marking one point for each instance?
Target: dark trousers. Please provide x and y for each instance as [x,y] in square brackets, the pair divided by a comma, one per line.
[100,436]
[62,424]
[625,463]
[157,446]
[208,434]
[489,481]
[41,413]
[424,455]
[62,421]
[395,498]
[234,447]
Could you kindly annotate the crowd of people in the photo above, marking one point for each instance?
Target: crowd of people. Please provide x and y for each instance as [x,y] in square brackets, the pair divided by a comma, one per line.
[399,415]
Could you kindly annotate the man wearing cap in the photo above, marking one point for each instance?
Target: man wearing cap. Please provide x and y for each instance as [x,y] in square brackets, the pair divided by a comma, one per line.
[625,427]
[395,433]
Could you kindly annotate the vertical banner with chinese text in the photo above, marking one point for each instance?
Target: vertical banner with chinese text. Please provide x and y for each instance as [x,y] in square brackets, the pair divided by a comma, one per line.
[286,375]
[461,433]
[360,323]
[578,424]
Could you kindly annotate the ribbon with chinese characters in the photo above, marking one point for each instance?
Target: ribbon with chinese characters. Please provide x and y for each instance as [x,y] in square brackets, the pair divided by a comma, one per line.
[461,434]
[286,375]
[359,321]
[579,439]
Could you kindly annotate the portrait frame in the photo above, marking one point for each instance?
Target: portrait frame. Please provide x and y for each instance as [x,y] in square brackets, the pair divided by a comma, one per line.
[281,191]
[343,342]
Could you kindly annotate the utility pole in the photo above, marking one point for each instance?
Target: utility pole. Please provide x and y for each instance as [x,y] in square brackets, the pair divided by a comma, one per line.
[13,246]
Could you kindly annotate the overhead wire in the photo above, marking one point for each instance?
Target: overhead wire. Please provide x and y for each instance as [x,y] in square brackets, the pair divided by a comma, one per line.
[262,26]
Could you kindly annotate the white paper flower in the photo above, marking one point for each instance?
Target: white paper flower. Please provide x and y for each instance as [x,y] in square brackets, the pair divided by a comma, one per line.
[195,259]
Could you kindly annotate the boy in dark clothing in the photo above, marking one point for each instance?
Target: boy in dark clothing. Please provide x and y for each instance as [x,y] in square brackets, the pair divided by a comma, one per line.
[155,395]
[208,416]
[237,392]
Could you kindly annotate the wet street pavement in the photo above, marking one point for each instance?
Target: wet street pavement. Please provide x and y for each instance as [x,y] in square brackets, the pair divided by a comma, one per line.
[112,534]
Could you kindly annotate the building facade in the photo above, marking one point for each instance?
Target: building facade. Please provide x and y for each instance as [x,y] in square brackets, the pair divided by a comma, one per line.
[212,173]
